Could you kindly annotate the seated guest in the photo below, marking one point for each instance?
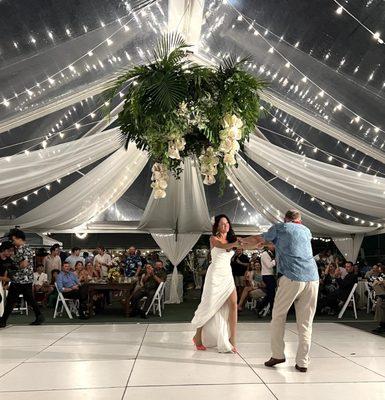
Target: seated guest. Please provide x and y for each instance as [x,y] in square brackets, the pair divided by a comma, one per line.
[104,261]
[341,271]
[151,279]
[132,263]
[373,273]
[68,284]
[327,302]
[78,268]
[91,271]
[40,279]
[80,272]
[345,285]
[254,285]
[52,260]
[74,257]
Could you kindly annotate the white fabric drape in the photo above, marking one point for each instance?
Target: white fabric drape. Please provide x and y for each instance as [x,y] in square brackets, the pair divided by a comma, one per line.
[273,205]
[177,221]
[361,193]
[321,125]
[184,210]
[23,172]
[349,246]
[88,196]
[68,99]
[176,248]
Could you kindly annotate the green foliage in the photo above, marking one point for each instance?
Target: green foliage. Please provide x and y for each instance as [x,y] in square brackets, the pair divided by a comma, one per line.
[172,97]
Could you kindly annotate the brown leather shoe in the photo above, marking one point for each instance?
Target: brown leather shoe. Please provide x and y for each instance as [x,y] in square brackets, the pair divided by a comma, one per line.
[300,369]
[274,361]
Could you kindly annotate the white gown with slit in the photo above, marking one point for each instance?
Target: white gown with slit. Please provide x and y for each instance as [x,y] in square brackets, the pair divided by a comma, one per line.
[212,313]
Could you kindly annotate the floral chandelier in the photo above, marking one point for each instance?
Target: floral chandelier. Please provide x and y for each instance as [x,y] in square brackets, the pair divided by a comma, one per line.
[175,109]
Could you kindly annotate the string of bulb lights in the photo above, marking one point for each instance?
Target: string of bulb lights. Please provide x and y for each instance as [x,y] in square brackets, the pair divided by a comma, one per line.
[375,35]
[89,53]
[327,207]
[288,64]
[326,57]
[301,140]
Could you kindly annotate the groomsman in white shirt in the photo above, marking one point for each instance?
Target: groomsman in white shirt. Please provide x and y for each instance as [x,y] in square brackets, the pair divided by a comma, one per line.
[104,261]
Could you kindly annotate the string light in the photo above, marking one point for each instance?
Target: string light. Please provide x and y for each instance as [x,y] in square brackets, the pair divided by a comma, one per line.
[304,79]
[376,35]
[71,67]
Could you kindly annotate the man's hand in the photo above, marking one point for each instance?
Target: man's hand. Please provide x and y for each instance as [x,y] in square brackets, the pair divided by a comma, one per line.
[76,287]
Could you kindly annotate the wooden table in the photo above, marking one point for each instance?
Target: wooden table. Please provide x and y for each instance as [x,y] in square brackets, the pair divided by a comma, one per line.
[126,288]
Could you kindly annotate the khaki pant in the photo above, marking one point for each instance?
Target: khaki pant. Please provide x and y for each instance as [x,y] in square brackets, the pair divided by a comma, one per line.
[304,296]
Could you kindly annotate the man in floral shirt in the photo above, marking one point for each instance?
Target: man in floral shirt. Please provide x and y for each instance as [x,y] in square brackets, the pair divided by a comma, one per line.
[132,263]
[21,279]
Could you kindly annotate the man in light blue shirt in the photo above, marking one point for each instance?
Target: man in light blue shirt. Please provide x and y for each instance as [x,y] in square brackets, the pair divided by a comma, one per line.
[298,284]
[68,284]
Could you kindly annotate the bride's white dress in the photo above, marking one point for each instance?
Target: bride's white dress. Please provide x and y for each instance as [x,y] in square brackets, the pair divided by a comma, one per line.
[212,313]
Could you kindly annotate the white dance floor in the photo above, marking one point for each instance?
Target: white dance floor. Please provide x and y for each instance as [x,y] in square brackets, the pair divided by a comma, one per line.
[151,362]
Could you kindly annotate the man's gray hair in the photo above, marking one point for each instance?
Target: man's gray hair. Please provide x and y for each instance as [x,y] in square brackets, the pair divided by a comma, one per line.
[293,215]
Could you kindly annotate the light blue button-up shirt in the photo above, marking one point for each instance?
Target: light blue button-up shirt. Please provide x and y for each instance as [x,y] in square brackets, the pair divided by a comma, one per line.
[66,280]
[293,251]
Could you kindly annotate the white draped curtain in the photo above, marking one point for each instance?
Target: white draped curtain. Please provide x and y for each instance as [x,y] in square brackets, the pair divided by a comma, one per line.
[177,221]
[361,193]
[176,248]
[349,246]
[39,167]
[87,197]
[184,210]
[320,124]
[273,205]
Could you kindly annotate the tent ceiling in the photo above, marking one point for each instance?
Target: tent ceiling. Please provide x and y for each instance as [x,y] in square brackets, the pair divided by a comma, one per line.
[50,40]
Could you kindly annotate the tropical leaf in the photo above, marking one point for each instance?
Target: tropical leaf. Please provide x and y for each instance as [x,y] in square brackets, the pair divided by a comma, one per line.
[172,99]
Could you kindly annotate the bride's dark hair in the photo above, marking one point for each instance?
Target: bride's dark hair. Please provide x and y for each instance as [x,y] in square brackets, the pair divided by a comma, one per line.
[231,238]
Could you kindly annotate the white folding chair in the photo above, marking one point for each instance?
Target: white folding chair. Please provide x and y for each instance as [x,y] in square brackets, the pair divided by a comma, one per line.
[371,298]
[251,304]
[265,311]
[23,305]
[349,300]
[65,304]
[156,302]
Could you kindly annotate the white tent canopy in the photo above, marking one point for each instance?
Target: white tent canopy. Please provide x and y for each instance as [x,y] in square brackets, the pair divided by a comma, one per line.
[39,148]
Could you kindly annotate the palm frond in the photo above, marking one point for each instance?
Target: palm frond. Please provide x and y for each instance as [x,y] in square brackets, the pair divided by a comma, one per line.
[170,48]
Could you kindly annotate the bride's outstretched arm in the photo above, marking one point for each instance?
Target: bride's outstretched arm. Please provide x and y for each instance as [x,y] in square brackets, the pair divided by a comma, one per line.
[215,242]
[251,241]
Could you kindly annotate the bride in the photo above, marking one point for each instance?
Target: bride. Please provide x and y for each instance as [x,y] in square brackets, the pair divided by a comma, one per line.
[215,319]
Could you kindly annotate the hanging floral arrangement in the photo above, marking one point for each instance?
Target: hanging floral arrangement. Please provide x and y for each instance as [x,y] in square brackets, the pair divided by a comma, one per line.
[175,109]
